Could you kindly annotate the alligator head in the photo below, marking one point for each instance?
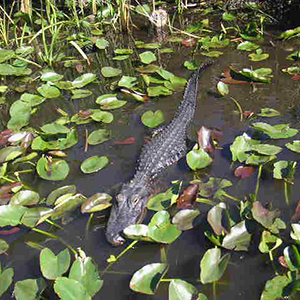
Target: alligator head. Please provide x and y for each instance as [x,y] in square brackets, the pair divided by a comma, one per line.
[127,210]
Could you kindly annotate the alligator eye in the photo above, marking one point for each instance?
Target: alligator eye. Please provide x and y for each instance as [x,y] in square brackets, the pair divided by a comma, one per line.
[121,198]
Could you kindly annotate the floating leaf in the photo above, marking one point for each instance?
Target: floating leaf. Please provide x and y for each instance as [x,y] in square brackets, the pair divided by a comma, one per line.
[3,248]
[247,46]
[266,149]
[243,172]
[49,91]
[151,119]
[51,76]
[212,53]
[36,215]
[139,232]
[83,270]
[10,153]
[53,266]
[161,230]
[6,278]
[83,80]
[6,55]
[102,116]
[102,43]
[80,93]
[258,56]
[110,72]
[180,289]
[264,216]
[67,288]
[97,202]
[98,136]
[268,112]
[294,146]
[9,70]
[54,195]
[147,279]
[149,46]
[127,81]
[218,219]
[94,164]
[284,169]
[148,69]
[110,101]
[123,51]
[54,128]
[213,266]
[29,289]
[184,219]
[32,99]
[268,242]
[57,169]
[25,197]
[279,131]
[155,91]
[147,57]
[198,159]
[11,214]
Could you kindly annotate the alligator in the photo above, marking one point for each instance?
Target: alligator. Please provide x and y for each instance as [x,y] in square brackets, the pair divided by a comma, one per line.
[164,149]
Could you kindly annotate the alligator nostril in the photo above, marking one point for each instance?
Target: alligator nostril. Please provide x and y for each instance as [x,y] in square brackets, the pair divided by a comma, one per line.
[118,241]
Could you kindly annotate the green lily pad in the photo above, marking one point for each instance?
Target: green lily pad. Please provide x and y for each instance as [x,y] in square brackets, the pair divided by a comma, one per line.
[49,91]
[36,215]
[64,85]
[121,57]
[198,159]
[147,279]
[294,146]
[3,248]
[161,230]
[213,266]
[184,218]
[147,57]
[110,72]
[123,51]
[149,46]
[274,288]
[53,266]
[258,56]
[214,53]
[110,101]
[55,170]
[84,271]
[51,76]
[148,69]
[97,202]
[138,232]
[67,288]
[247,46]
[99,136]
[29,289]
[165,74]
[25,197]
[54,195]
[94,164]
[80,93]
[102,116]
[151,119]
[268,112]
[11,214]
[9,70]
[10,153]
[180,289]
[218,219]
[191,65]
[284,169]
[268,242]
[155,91]
[164,200]
[83,80]
[32,99]
[102,43]
[6,278]
[54,128]
[127,81]
[266,149]
[264,216]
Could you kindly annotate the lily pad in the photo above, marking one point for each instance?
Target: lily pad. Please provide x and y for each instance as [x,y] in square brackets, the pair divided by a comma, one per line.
[184,219]
[247,46]
[110,72]
[32,99]
[138,232]
[151,119]
[6,278]
[213,265]
[110,101]
[3,248]
[94,164]
[25,197]
[53,266]
[284,169]
[54,195]
[127,81]
[269,112]
[198,159]
[67,288]
[258,56]
[36,215]
[54,128]
[180,289]
[97,202]
[222,88]
[159,90]
[29,289]
[147,57]
[83,80]
[294,146]
[99,136]
[10,153]
[6,55]
[11,214]
[56,169]
[51,76]
[49,91]
[147,279]
[81,93]
[102,43]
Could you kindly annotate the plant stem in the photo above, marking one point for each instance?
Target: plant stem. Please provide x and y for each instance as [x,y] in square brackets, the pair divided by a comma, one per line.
[239,108]
[286,193]
[118,257]
[258,180]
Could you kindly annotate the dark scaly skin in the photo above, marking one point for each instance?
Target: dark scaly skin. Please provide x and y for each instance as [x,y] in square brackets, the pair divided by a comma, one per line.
[163,150]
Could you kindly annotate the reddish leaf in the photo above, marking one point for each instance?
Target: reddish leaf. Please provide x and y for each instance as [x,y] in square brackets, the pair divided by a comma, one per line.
[5,135]
[243,172]
[282,261]
[229,80]
[187,199]
[296,216]
[80,68]
[296,77]
[127,141]
[248,114]
[10,231]
[188,42]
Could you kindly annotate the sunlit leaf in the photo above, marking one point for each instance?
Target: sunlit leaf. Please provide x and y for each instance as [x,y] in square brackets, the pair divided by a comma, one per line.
[147,279]
[180,289]
[218,219]
[49,91]
[110,101]
[110,72]
[268,112]
[98,136]
[54,195]
[151,119]
[127,81]
[10,153]
[184,219]
[147,57]
[139,232]
[294,146]
[84,80]
[3,247]
[284,169]
[97,202]
[53,128]
[247,46]
[94,164]
[159,90]
[6,55]
[268,242]
[264,216]
[11,214]
[25,197]
[36,215]
[198,159]
[29,289]
[51,76]
[274,287]
[102,43]
[53,266]
[68,289]
[222,88]
[213,265]
[6,278]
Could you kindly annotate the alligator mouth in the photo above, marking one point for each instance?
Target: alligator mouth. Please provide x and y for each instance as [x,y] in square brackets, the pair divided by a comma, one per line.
[116,239]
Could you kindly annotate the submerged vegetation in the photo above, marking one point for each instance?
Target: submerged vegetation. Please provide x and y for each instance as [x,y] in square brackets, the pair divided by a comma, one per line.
[53,54]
